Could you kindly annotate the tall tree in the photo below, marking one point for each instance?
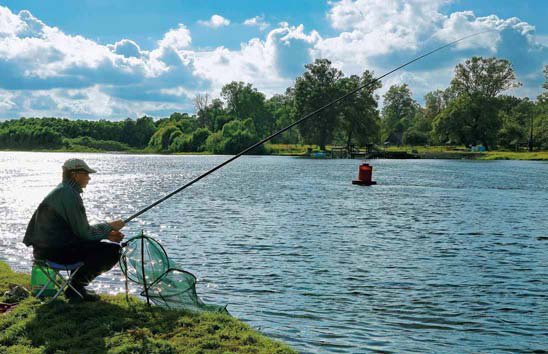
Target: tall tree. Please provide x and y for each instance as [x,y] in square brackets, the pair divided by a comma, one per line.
[484,77]
[469,121]
[314,89]
[216,116]
[436,101]
[282,109]
[398,112]
[244,101]
[474,117]
[359,113]
[543,97]
[201,102]
[144,129]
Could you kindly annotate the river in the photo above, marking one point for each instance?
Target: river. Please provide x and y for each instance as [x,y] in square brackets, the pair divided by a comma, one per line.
[440,256]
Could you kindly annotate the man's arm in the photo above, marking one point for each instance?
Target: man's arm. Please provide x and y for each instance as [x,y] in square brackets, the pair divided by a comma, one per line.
[75,215]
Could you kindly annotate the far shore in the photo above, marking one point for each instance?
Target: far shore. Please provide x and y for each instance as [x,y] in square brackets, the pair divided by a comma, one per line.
[418,152]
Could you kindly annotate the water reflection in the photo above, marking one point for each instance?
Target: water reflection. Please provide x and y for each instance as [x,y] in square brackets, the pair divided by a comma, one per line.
[441,256]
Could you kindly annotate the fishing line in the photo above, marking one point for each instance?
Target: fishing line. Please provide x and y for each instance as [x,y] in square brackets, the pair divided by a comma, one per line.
[367,85]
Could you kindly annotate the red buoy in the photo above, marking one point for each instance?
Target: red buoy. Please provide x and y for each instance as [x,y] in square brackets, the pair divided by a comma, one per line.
[365,173]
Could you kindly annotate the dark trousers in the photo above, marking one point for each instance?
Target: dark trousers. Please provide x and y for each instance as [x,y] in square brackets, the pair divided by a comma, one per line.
[98,258]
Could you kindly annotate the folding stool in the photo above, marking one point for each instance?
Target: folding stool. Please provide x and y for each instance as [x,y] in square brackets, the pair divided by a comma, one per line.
[62,282]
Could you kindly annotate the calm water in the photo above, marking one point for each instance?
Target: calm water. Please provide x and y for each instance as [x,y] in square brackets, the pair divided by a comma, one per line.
[441,256]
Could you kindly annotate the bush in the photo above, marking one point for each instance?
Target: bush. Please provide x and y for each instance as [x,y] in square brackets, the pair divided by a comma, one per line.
[164,137]
[199,138]
[415,137]
[235,136]
[106,145]
[21,137]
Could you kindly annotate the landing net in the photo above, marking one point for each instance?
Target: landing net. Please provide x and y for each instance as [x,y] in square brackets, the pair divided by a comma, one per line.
[144,261]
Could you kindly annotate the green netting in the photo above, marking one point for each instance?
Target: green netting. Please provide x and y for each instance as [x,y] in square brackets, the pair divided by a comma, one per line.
[144,261]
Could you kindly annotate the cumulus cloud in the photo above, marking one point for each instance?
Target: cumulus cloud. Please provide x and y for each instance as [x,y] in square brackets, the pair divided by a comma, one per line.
[215,21]
[270,64]
[44,71]
[381,34]
[257,21]
[37,60]
[178,38]
[126,48]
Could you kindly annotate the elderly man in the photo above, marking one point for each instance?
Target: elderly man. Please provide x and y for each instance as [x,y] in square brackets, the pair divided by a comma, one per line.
[59,231]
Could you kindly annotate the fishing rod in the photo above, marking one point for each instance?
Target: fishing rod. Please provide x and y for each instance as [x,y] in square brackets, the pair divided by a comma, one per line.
[350,93]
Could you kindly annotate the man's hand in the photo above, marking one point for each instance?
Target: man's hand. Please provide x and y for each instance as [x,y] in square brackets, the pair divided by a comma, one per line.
[115,236]
[117,224]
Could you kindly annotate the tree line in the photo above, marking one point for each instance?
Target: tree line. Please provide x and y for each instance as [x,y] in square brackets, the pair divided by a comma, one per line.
[472,110]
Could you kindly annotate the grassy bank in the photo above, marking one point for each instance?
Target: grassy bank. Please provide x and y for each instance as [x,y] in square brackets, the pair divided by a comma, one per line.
[114,326]
[424,152]
[461,152]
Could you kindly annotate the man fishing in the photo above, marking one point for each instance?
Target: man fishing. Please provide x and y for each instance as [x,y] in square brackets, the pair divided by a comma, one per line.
[59,231]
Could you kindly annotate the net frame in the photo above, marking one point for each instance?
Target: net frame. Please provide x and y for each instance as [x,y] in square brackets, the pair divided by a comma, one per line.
[153,290]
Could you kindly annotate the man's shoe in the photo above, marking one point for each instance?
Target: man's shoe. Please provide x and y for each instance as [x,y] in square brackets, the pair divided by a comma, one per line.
[86,295]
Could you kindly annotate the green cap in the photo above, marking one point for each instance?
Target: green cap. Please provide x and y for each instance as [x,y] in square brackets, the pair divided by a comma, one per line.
[77,164]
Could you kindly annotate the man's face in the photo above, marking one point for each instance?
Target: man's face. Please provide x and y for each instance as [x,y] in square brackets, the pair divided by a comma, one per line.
[82,178]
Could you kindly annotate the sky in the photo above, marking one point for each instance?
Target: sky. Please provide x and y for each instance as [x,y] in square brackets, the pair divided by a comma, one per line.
[99,59]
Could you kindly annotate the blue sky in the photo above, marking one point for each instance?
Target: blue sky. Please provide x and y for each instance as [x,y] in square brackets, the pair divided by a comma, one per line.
[116,59]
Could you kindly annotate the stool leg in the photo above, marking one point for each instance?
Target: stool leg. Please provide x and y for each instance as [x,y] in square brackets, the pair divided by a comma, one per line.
[61,287]
[69,282]
[50,280]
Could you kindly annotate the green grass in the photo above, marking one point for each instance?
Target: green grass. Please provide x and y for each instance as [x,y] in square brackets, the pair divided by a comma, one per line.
[113,325]
[511,155]
[447,152]
[287,149]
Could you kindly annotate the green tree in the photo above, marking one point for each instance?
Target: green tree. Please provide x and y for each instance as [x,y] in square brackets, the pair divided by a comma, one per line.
[436,101]
[235,136]
[398,112]
[484,77]
[540,130]
[144,129]
[199,138]
[282,109]
[315,88]
[359,113]
[213,116]
[244,101]
[164,137]
[469,121]
[201,102]
[543,97]
[517,118]
[474,116]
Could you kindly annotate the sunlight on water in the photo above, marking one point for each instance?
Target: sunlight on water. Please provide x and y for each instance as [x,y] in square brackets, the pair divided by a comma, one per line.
[440,256]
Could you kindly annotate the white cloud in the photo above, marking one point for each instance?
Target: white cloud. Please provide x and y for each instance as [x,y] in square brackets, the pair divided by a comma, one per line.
[381,34]
[270,65]
[215,21]
[176,38]
[126,48]
[10,24]
[542,39]
[46,72]
[257,21]
[37,60]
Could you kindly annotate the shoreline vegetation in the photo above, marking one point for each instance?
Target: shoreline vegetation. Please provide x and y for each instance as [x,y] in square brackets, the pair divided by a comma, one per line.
[299,150]
[113,325]
[473,111]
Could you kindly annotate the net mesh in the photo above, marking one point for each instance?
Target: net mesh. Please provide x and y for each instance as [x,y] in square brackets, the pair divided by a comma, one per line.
[144,261]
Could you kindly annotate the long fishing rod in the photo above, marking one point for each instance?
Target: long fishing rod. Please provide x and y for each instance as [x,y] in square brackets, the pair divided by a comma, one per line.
[366,85]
